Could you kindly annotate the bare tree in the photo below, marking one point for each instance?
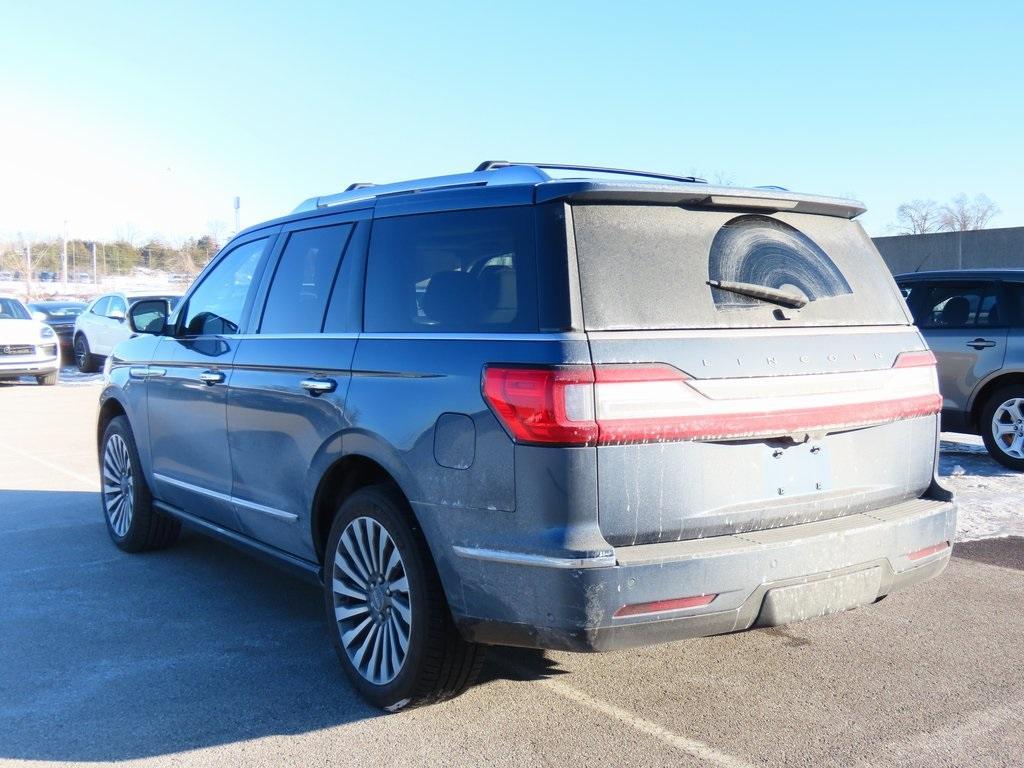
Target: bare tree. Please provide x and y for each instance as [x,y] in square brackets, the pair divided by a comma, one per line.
[962,213]
[918,217]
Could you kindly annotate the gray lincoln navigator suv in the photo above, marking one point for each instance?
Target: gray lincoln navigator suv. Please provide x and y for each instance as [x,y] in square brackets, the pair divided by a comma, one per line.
[537,405]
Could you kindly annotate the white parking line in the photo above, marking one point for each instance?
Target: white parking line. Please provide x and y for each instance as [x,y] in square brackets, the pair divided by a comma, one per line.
[684,744]
[92,482]
[975,728]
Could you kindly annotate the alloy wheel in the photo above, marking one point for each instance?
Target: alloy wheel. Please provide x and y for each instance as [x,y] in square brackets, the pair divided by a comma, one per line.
[1008,427]
[372,602]
[80,352]
[118,490]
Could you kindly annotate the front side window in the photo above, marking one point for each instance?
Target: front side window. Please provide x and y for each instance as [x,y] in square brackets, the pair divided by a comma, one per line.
[456,272]
[954,305]
[216,305]
[303,279]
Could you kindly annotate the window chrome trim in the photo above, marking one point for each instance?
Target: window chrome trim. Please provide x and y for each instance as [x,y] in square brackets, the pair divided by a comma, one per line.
[278,513]
[407,336]
[542,561]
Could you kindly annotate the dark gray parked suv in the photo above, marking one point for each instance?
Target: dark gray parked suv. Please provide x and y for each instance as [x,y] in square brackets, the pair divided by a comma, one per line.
[507,408]
[973,320]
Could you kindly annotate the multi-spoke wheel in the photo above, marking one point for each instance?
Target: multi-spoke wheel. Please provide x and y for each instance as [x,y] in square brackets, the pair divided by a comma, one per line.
[132,522]
[372,604]
[1002,426]
[118,491]
[390,621]
[84,358]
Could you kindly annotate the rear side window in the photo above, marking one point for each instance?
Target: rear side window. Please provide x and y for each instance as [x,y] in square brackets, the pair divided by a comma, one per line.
[456,272]
[303,280]
[649,267]
[955,305]
[1013,296]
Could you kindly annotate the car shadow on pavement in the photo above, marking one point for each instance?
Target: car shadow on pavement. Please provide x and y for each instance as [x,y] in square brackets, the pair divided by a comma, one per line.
[1007,552]
[110,656]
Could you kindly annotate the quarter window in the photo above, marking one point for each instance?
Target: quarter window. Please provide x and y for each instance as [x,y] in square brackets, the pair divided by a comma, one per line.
[216,305]
[462,271]
[303,280]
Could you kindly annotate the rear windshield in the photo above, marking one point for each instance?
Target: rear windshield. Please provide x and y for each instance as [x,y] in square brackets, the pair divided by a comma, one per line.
[650,266]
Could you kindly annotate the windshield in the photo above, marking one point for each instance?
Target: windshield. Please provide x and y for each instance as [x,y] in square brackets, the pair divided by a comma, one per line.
[665,267]
[12,309]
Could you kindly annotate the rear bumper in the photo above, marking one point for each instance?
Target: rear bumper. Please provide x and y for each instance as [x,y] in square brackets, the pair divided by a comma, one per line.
[809,570]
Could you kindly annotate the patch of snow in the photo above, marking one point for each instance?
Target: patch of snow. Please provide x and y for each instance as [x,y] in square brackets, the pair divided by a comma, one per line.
[990,496]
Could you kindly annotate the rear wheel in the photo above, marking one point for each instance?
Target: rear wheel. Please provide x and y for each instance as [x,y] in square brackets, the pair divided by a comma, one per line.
[389,619]
[132,522]
[84,359]
[48,380]
[1002,426]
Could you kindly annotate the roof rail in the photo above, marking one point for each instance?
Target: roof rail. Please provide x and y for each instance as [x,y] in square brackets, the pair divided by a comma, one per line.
[511,174]
[491,165]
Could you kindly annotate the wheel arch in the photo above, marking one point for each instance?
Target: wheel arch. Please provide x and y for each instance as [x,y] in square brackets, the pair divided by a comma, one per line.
[110,408]
[985,391]
[341,479]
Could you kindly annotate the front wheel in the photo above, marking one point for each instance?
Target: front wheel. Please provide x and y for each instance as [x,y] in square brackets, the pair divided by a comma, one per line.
[389,619]
[1002,426]
[133,523]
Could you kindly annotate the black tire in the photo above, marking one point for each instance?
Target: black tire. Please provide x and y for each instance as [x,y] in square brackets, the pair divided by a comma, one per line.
[439,664]
[146,528]
[48,380]
[996,449]
[84,358]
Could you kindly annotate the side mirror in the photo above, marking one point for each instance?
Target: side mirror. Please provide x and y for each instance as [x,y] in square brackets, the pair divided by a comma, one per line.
[39,316]
[149,316]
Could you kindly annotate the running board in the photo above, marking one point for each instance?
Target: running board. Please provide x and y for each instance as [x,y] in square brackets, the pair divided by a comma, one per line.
[304,569]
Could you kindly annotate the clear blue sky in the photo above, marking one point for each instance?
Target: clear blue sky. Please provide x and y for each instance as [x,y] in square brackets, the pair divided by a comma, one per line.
[151,117]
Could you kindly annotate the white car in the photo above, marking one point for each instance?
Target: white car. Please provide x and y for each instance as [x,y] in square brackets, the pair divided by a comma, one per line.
[104,324]
[27,347]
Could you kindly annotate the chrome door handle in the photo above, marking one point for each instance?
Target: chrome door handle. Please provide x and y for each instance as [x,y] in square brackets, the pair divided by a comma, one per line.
[319,386]
[980,343]
[211,377]
[154,372]
[139,372]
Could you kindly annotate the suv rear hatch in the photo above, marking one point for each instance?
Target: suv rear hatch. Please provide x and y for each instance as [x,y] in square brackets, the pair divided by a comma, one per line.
[723,407]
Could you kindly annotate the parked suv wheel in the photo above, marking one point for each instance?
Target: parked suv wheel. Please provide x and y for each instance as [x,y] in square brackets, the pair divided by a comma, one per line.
[132,522]
[390,623]
[1002,426]
[84,359]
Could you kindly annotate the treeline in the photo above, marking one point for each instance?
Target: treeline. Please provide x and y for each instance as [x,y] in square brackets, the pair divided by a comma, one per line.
[116,257]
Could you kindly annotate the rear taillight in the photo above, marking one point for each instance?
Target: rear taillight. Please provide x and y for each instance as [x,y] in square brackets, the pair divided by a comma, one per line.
[544,405]
[615,404]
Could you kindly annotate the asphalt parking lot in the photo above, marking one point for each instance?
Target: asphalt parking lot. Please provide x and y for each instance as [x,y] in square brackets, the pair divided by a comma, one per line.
[201,656]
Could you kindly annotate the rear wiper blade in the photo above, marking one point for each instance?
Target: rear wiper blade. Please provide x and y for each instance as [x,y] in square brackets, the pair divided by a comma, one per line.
[763,292]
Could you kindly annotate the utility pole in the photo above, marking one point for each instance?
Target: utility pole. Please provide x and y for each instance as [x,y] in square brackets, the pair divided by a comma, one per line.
[28,270]
[95,278]
[64,254]
[238,219]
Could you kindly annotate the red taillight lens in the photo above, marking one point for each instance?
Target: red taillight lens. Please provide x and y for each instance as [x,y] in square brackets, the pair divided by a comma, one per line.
[544,405]
[615,404]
